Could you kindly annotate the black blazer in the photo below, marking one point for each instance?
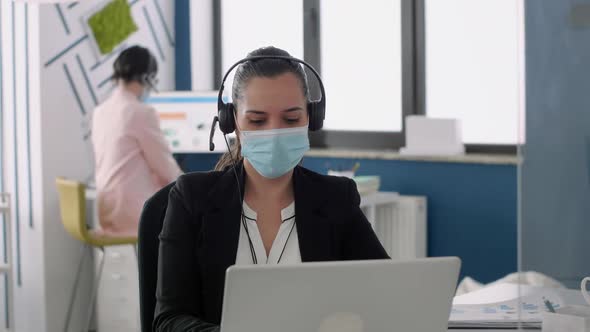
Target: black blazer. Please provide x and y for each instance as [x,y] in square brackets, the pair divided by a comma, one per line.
[199,239]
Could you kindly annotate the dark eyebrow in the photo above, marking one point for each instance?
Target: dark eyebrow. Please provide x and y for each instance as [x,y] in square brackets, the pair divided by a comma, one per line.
[292,109]
[255,112]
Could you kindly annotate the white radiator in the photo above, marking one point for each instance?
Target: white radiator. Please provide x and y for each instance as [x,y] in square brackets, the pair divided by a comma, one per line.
[399,222]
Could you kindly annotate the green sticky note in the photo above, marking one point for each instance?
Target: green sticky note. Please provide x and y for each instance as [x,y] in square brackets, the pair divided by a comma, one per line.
[112,25]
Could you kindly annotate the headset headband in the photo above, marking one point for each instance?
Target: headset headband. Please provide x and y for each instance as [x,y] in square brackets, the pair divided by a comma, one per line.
[321,102]
[225,111]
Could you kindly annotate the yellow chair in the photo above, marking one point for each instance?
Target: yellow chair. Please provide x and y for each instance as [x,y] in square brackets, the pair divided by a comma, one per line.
[72,203]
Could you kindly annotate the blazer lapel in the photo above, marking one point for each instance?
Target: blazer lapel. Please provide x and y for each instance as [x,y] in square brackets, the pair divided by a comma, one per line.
[314,231]
[218,241]
[221,222]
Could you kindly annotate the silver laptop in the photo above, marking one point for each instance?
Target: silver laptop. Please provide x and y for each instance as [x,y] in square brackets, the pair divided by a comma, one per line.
[354,296]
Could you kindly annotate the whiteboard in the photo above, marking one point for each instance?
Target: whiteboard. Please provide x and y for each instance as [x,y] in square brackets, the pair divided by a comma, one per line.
[186,118]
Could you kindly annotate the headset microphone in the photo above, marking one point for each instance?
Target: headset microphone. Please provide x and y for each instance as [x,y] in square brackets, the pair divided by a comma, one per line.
[211,144]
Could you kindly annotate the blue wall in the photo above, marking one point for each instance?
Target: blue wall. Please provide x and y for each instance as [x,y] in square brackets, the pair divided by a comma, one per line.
[182,57]
[471,207]
[556,172]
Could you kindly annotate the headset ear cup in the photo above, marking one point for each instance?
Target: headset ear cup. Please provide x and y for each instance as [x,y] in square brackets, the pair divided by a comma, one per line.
[316,116]
[227,122]
[311,114]
[320,111]
[231,114]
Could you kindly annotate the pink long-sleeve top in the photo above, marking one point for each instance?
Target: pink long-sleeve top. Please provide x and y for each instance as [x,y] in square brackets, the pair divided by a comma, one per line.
[133,161]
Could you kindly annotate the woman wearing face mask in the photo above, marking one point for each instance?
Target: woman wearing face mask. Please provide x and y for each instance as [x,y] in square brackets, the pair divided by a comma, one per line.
[132,157]
[287,214]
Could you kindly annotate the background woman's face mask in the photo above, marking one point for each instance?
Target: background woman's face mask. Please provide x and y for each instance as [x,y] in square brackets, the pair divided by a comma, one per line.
[274,152]
[145,94]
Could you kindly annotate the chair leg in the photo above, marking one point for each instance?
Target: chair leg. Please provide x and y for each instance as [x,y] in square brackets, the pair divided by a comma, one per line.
[95,290]
[137,312]
[75,287]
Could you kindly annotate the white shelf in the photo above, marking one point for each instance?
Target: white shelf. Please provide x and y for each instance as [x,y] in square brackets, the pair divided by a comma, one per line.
[470,158]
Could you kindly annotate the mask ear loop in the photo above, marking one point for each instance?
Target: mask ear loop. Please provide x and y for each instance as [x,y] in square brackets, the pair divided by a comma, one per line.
[148,82]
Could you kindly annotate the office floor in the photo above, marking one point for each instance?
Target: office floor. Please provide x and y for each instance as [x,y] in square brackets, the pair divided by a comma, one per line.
[118,296]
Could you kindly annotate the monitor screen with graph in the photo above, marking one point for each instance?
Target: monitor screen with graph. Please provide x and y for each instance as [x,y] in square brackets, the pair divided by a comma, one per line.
[186,118]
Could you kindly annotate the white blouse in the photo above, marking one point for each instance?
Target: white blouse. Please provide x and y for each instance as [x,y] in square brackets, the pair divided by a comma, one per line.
[285,247]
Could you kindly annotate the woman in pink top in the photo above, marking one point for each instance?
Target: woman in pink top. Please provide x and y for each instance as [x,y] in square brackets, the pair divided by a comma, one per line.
[133,159]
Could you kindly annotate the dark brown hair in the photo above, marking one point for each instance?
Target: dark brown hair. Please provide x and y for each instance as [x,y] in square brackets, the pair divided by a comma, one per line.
[259,68]
[134,64]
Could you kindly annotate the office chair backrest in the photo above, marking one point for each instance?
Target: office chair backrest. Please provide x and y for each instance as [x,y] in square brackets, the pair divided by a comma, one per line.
[72,205]
[150,225]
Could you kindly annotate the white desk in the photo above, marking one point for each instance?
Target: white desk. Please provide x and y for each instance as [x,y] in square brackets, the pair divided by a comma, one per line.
[117,303]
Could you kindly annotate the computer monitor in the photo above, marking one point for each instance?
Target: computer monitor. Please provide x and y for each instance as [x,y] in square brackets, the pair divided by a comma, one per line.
[186,118]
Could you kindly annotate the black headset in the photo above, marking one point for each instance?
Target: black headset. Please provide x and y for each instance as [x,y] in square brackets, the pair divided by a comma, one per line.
[226,111]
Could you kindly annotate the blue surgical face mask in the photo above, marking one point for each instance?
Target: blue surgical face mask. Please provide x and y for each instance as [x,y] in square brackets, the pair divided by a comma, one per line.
[274,152]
